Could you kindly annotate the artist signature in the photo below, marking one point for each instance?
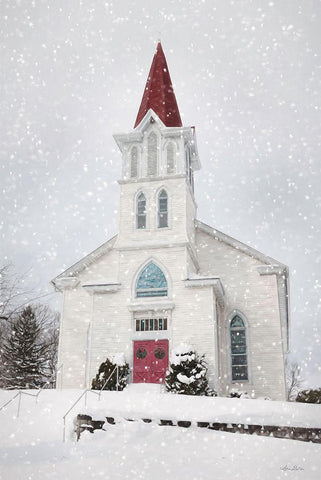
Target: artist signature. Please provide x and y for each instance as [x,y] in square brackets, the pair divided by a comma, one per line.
[292,468]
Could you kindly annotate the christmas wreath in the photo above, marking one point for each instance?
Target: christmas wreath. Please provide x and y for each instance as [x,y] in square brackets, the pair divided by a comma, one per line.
[159,353]
[141,352]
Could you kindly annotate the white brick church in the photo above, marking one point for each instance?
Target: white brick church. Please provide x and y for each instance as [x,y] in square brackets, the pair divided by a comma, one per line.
[167,278]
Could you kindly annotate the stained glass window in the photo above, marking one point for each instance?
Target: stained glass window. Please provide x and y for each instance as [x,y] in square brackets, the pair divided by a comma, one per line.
[141,211]
[162,209]
[151,282]
[238,349]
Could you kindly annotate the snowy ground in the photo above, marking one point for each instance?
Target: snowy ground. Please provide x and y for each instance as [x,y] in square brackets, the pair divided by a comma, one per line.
[31,446]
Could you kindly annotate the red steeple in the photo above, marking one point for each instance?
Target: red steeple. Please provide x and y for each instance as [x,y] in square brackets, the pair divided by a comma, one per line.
[159,94]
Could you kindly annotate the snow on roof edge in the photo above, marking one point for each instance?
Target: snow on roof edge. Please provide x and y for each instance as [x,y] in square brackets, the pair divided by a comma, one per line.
[87,260]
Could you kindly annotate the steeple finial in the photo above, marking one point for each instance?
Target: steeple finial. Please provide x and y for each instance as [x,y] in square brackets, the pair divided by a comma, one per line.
[159,94]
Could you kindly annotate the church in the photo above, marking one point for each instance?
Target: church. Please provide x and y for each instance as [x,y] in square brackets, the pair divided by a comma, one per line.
[167,278]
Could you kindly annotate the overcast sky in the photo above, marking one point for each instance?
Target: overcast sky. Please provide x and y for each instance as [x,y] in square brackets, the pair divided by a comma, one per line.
[245,73]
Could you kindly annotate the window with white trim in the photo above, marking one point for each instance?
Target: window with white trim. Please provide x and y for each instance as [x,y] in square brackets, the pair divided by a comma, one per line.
[238,349]
[162,209]
[141,211]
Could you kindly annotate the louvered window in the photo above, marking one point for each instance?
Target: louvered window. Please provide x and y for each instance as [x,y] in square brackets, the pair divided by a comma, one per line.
[170,158]
[134,162]
[152,155]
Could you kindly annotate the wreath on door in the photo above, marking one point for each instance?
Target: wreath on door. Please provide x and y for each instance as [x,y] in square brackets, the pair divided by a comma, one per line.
[141,352]
[159,353]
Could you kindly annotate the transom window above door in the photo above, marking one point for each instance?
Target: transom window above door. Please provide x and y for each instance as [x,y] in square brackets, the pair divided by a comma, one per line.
[151,324]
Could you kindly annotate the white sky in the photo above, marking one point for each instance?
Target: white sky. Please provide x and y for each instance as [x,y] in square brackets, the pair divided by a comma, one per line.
[246,74]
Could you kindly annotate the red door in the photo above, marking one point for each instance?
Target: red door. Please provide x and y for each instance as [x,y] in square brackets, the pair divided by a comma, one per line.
[150,361]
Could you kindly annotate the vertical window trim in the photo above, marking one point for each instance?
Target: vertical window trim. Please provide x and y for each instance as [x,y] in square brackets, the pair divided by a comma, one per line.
[245,328]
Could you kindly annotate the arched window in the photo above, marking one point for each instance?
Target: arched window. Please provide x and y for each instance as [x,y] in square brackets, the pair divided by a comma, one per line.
[152,154]
[141,211]
[238,349]
[162,209]
[151,282]
[170,158]
[134,162]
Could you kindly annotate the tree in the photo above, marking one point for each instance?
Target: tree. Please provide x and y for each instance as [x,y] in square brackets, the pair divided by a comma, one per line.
[293,380]
[26,352]
[13,295]
[187,373]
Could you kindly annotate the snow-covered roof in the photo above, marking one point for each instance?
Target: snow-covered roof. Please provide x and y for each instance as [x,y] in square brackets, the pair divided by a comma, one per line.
[271,267]
[242,247]
[84,262]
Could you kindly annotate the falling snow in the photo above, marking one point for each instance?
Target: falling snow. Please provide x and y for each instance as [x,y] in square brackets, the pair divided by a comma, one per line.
[246,74]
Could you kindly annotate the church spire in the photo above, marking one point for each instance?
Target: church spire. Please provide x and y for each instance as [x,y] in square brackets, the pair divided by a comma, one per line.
[159,94]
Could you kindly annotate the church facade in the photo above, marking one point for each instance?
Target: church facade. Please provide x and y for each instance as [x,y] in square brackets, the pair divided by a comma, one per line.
[167,278]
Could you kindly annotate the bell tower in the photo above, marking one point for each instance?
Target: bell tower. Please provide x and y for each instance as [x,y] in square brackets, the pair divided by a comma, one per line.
[159,157]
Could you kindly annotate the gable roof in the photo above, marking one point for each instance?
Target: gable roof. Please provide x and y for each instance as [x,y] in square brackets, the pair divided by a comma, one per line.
[86,261]
[242,247]
[159,94]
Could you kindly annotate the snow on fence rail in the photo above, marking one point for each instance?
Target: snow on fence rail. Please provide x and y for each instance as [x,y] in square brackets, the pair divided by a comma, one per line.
[36,395]
[84,394]
[85,422]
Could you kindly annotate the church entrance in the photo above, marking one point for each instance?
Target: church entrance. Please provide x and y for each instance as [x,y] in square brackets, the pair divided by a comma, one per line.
[150,361]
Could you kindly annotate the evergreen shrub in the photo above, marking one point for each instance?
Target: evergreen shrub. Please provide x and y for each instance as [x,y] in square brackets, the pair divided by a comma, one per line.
[187,373]
[106,370]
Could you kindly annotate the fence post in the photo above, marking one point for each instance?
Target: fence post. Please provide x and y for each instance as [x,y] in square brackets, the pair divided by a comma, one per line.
[64,431]
[19,401]
[117,378]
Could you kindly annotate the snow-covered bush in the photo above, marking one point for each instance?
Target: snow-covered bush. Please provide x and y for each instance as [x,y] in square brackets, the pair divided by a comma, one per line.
[108,370]
[234,393]
[309,396]
[187,373]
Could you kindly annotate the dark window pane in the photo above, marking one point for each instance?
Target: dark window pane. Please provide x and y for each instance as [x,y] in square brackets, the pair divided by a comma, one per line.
[238,336]
[162,220]
[239,360]
[237,322]
[137,325]
[239,373]
[238,349]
